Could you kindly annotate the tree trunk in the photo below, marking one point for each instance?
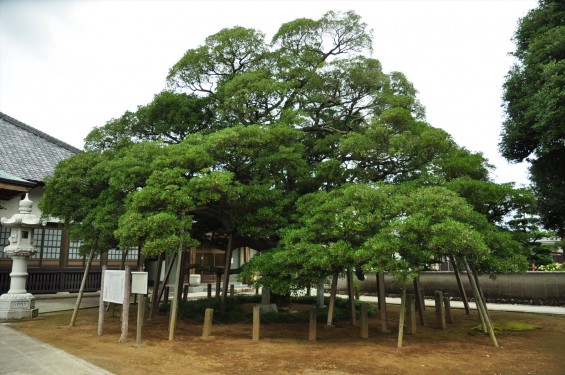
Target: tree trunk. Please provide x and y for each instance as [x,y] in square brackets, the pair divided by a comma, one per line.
[333,291]
[83,283]
[226,276]
[480,303]
[402,316]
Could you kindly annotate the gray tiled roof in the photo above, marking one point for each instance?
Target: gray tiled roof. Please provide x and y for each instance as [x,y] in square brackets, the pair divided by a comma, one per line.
[28,153]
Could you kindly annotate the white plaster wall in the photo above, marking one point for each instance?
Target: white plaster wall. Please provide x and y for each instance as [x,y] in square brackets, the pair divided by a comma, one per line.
[12,206]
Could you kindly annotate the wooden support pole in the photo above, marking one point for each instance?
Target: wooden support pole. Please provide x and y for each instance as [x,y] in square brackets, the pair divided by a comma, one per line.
[101,309]
[125,306]
[175,304]
[140,307]
[480,303]
[83,283]
[164,288]
[364,321]
[208,316]
[232,290]
[320,295]
[420,303]
[410,314]
[350,292]
[218,286]
[447,306]
[440,311]
[460,286]
[185,293]
[256,322]
[146,309]
[209,291]
[382,297]
[402,316]
[333,291]
[313,322]
[155,301]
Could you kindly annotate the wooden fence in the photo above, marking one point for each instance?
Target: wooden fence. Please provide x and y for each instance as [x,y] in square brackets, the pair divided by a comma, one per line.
[53,281]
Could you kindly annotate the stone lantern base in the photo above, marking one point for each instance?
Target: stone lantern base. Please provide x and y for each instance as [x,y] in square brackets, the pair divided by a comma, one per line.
[17,306]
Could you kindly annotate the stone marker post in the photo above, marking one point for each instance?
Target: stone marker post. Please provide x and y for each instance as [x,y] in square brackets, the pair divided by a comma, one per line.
[207,329]
[18,303]
[256,322]
[313,322]
[447,306]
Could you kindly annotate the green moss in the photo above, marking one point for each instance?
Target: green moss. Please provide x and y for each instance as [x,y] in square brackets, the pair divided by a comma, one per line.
[511,326]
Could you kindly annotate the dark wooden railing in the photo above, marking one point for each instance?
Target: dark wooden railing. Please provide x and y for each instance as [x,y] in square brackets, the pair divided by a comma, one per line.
[53,281]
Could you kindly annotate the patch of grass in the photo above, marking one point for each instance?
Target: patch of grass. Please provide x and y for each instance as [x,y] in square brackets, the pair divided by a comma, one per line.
[511,326]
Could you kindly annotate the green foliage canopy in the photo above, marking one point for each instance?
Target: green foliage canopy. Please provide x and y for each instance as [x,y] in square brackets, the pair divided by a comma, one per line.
[534,100]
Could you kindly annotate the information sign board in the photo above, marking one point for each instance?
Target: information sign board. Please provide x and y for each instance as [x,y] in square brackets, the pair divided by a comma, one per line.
[139,282]
[114,286]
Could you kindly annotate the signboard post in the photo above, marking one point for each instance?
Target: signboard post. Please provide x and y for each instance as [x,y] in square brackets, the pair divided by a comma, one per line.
[115,288]
[139,286]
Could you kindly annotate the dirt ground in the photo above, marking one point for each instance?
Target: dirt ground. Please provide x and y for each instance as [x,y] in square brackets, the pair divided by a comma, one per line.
[285,349]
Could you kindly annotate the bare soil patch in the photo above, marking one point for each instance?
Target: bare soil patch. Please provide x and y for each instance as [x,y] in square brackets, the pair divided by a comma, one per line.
[285,349]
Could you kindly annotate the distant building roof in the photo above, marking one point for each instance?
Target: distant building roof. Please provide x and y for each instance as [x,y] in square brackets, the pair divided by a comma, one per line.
[28,153]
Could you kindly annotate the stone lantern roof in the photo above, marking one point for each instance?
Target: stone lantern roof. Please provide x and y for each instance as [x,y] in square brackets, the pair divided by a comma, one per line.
[24,218]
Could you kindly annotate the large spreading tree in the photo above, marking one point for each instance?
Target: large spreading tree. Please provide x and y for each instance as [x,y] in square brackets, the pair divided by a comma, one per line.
[301,148]
[534,99]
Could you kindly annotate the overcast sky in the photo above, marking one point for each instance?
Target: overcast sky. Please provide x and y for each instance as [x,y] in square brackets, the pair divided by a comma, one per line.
[68,66]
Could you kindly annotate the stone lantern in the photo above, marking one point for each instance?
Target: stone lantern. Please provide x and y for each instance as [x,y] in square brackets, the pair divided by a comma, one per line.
[18,303]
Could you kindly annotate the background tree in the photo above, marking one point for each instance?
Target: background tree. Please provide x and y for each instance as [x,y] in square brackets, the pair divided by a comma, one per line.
[534,100]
